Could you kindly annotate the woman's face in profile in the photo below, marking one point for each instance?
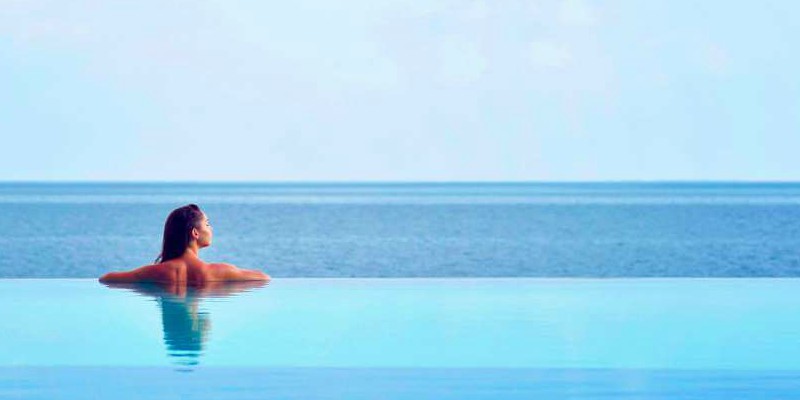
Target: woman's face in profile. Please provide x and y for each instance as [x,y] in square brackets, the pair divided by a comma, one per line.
[204,232]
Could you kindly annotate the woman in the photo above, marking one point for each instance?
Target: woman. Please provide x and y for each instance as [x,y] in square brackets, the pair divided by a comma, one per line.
[186,232]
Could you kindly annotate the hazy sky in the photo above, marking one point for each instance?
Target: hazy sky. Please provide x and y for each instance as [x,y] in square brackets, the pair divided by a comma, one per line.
[399,90]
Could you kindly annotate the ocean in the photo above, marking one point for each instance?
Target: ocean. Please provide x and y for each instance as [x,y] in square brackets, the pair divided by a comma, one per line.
[662,229]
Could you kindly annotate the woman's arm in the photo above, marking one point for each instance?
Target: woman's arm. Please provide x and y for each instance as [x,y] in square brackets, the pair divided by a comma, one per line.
[228,272]
[148,273]
[117,277]
[128,276]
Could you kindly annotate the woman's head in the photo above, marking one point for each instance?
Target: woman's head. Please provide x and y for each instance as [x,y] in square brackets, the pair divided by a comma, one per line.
[184,225]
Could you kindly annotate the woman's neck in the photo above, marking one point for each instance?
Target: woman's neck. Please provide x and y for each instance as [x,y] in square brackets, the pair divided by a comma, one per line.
[192,250]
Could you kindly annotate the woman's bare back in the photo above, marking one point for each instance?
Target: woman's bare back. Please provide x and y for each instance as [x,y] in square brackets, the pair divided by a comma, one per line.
[188,269]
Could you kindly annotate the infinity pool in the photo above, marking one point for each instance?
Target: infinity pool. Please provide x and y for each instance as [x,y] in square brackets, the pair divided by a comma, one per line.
[403,339]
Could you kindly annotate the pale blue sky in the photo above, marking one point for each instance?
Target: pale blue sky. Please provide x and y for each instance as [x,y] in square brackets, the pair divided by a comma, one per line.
[399,90]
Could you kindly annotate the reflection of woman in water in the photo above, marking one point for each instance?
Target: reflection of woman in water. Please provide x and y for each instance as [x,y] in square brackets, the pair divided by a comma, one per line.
[186,231]
[186,325]
[186,328]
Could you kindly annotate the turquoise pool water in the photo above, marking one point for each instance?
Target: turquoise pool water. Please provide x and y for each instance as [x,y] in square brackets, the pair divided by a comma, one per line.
[403,338]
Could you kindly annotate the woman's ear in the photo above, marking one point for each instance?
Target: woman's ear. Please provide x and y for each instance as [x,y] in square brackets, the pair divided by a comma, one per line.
[195,233]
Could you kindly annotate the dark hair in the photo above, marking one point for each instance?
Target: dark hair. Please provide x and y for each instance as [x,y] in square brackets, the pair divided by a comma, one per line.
[178,231]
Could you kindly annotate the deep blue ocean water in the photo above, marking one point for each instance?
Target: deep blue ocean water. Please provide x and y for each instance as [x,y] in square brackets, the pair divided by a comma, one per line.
[414,230]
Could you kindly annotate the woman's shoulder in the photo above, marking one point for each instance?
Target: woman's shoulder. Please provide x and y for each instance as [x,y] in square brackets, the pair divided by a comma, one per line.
[168,271]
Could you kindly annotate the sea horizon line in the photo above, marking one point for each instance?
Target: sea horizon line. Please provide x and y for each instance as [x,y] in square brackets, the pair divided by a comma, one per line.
[395,182]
